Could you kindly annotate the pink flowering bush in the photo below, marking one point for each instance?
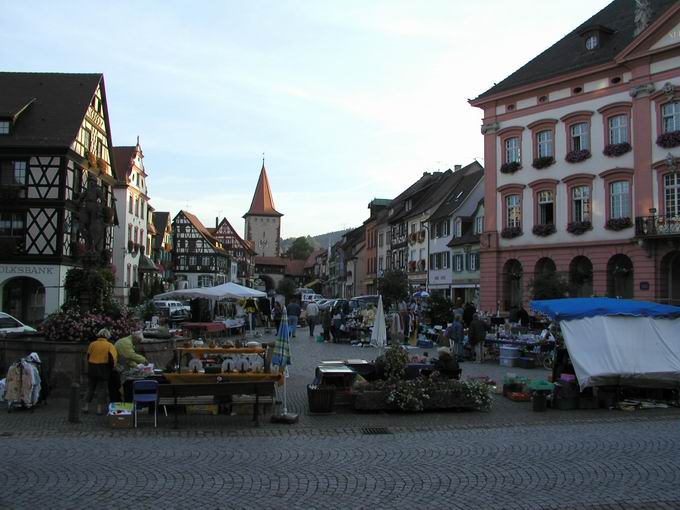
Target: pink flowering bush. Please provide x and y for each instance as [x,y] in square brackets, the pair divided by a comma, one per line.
[70,325]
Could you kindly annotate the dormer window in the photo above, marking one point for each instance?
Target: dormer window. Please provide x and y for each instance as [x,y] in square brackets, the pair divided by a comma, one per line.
[4,127]
[409,204]
[592,42]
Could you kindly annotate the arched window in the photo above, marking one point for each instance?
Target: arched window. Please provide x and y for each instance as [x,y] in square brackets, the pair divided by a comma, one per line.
[581,277]
[620,277]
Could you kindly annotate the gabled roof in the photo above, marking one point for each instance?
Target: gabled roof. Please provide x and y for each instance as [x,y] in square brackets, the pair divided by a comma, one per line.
[160,221]
[240,240]
[467,179]
[124,160]
[569,54]
[204,231]
[415,192]
[263,201]
[47,108]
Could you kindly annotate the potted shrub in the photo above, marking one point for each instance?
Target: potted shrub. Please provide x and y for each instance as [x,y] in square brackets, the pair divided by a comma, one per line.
[511,232]
[579,227]
[543,162]
[614,150]
[510,167]
[617,224]
[544,230]
[668,140]
[577,156]
[412,265]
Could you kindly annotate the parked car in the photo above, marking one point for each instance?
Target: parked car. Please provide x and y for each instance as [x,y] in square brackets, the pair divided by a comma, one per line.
[9,324]
[334,303]
[361,302]
[175,310]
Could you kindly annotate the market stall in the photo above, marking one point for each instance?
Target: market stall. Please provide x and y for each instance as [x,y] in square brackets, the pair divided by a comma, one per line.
[619,342]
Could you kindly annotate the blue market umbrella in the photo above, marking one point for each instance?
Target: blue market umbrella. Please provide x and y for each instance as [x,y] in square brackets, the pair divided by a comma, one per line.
[281,358]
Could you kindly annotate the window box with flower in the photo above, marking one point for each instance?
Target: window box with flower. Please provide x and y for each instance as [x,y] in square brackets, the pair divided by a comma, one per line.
[543,162]
[579,227]
[617,224]
[543,230]
[668,140]
[510,167]
[577,156]
[614,150]
[511,232]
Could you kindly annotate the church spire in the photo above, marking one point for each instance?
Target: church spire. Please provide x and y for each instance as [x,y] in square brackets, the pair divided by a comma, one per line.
[263,201]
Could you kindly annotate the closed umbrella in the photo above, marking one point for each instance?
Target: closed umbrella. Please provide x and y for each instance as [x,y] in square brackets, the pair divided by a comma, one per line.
[281,358]
[379,333]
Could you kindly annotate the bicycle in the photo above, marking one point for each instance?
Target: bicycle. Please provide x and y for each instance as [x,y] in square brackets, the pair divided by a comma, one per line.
[546,356]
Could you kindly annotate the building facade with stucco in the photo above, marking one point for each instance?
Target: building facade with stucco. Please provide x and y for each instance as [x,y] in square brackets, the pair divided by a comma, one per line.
[581,148]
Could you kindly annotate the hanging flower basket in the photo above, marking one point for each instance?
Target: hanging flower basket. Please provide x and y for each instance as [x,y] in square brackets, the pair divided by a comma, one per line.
[412,237]
[412,265]
[421,265]
[102,165]
[579,227]
[543,230]
[614,150]
[543,162]
[421,236]
[91,159]
[668,140]
[131,247]
[617,224]
[577,156]
[510,167]
[511,232]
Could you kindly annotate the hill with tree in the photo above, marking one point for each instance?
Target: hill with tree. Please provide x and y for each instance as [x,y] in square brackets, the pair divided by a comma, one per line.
[319,241]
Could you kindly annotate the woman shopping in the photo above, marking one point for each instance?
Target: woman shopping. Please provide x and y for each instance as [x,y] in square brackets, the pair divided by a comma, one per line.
[101,360]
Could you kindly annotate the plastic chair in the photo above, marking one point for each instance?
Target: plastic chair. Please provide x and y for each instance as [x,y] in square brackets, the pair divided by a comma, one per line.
[144,392]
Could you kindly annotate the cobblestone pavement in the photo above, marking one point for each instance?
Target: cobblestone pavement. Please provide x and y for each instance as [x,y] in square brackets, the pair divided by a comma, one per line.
[509,457]
[623,465]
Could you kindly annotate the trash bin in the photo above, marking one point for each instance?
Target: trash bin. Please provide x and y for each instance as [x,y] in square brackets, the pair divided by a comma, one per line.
[321,399]
[539,401]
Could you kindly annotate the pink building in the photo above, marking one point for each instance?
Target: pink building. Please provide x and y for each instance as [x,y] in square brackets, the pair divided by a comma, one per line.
[580,149]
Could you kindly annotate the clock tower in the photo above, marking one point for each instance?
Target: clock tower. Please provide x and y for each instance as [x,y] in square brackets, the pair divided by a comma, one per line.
[263,221]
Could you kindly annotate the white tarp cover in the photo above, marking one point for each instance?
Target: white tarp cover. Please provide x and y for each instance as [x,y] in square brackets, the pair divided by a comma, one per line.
[228,290]
[632,351]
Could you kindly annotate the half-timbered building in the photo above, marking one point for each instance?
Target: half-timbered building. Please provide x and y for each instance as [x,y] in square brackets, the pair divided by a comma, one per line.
[241,253]
[199,259]
[54,158]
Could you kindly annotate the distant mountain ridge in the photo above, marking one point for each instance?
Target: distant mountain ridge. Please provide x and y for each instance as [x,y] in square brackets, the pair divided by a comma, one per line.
[319,241]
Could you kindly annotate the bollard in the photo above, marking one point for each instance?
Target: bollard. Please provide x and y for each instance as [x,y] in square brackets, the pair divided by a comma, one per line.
[73,404]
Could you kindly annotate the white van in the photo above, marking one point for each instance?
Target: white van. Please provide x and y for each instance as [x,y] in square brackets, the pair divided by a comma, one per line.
[174,309]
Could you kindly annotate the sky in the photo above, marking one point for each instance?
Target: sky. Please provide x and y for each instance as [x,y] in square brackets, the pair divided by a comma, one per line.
[348,100]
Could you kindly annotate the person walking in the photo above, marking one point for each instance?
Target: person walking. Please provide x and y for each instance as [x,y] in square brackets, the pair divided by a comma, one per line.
[456,336]
[293,309]
[101,359]
[312,311]
[326,322]
[477,336]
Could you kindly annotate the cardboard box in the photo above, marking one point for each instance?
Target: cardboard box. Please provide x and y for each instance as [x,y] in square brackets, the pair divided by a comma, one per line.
[120,421]
[203,409]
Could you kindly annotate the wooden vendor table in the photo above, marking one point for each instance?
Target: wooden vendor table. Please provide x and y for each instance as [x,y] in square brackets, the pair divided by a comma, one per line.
[258,388]
[205,329]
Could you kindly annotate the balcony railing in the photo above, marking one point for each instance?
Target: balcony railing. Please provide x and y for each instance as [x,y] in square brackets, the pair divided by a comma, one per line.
[657,226]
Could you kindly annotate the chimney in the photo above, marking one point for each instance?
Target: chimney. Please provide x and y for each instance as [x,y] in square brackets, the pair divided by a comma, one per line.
[457,167]
[217,221]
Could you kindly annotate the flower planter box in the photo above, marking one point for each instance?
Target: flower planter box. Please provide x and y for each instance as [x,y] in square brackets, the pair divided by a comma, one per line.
[440,399]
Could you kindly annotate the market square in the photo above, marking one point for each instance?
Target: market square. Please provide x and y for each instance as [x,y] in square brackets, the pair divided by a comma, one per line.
[264,256]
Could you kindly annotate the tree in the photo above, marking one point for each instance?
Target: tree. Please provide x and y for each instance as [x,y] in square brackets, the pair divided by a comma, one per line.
[549,285]
[300,249]
[393,285]
[286,288]
[440,311]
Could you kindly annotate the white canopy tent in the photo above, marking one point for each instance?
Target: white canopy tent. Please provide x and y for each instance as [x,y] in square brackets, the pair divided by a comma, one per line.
[619,342]
[225,291]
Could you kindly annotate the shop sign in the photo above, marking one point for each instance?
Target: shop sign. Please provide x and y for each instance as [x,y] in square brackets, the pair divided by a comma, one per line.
[27,270]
